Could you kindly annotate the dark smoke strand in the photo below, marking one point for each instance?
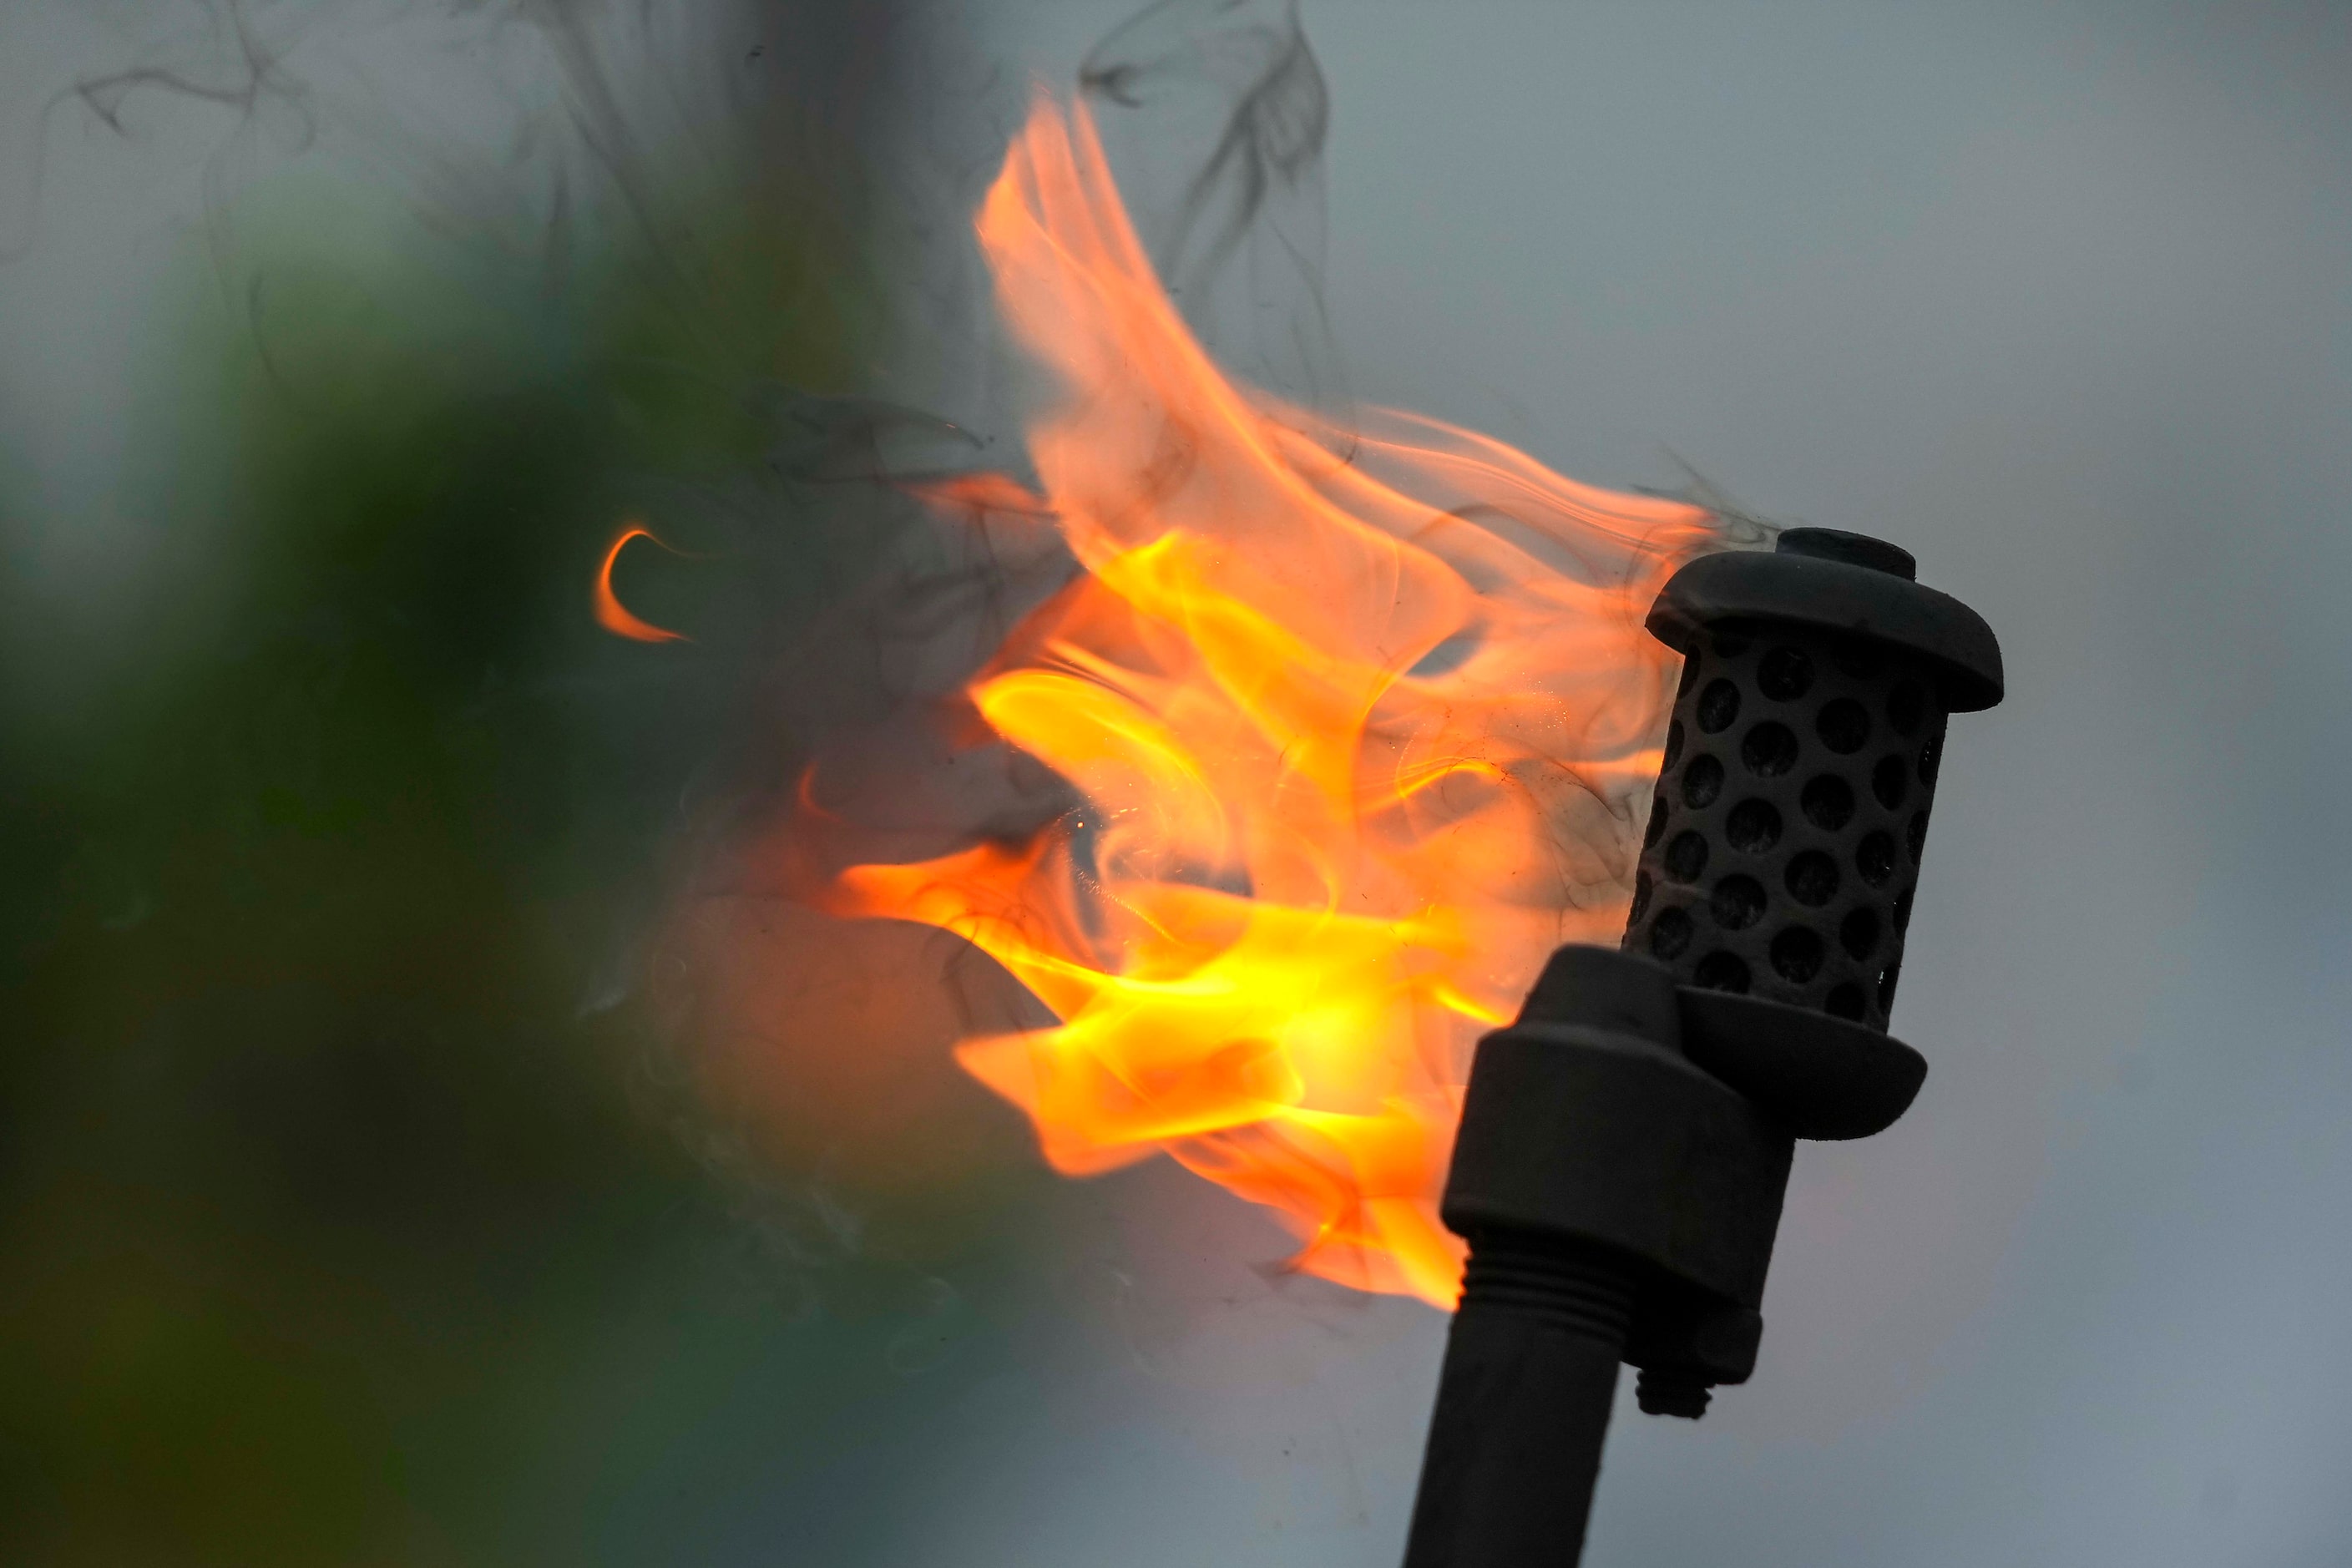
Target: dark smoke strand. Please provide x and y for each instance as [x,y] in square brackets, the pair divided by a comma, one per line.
[1216,116]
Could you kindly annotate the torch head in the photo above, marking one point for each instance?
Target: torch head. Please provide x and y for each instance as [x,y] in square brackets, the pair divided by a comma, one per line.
[1784,842]
[1624,1144]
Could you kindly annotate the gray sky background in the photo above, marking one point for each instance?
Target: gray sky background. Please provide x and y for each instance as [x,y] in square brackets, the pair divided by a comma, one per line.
[2060,298]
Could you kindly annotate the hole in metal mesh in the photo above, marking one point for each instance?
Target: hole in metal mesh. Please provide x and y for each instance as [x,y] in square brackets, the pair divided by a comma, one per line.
[1729,644]
[1721,971]
[1890,781]
[1671,933]
[1702,782]
[1674,744]
[1718,705]
[1905,706]
[1785,674]
[1857,657]
[1931,757]
[1902,908]
[1737,903]
[1914,836]
[1844,725]
[1686,857]
[1886,979]
[1642,888]
[1874,857]
[1846,1000]
[1752,828]
[1796,954]
[1657,827]
[1812,879]
[1827,803]
[1858,933]
[1770,750]
[1690,675]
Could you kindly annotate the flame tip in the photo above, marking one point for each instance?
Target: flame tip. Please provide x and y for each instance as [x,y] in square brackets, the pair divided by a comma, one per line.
[614,615]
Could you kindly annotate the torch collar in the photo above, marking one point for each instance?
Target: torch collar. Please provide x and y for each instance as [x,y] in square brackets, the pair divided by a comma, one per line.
[1819,1077]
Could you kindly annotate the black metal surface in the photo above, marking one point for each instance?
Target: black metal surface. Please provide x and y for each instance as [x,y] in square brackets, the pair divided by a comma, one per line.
[1820,1078]
[1619,1205]
[1785,837]
[1625,1143]
[1577,1125]
[1839,584]
[1522,1406]
[1817,1078]
[1686,1342]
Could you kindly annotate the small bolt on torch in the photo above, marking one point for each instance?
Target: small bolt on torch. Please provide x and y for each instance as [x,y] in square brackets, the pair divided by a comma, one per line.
[1625,1142]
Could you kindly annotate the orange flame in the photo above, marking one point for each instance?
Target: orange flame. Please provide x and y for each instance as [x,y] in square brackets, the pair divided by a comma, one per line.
[1364,720]
[614,615]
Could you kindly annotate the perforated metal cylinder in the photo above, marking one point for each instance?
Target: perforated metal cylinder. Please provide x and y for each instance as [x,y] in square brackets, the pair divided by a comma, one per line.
[1783,846]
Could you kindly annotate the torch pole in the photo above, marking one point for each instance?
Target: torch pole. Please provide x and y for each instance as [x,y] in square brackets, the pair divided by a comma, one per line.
[1522,1406]
[1625,1142]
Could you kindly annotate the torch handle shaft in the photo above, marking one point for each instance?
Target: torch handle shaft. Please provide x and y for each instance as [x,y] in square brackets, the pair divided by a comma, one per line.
[1522,1407]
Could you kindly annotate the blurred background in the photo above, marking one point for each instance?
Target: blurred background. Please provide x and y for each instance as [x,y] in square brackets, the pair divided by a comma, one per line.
[394,1166]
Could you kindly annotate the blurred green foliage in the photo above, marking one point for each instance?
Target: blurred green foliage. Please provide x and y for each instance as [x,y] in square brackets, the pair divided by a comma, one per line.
[339,1221]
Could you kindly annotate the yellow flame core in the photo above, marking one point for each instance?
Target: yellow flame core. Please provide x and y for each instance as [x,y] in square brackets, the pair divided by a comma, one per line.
[1364,720]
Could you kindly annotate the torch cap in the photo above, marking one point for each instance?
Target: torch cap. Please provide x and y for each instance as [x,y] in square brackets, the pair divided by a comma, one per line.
[1846,583]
